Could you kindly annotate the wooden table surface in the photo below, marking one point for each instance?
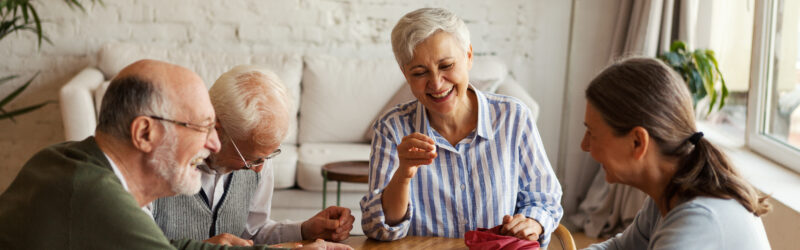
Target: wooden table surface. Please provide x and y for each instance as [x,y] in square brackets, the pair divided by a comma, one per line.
[409,242]
[347,171]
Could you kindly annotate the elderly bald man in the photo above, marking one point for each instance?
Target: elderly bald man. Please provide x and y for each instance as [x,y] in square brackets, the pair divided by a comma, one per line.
[252,108]
[156,123]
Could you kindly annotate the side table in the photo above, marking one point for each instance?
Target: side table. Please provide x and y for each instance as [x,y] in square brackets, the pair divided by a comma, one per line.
[347,171]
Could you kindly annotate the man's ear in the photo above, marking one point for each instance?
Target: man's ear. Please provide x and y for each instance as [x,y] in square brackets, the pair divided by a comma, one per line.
[144,134]
[641,141]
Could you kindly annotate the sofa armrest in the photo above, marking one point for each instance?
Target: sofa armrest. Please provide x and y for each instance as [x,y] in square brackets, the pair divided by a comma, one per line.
[512,88]
[77,104]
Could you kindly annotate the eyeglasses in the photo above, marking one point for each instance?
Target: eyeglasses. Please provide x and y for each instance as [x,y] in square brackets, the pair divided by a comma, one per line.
[201,128]
[258,162]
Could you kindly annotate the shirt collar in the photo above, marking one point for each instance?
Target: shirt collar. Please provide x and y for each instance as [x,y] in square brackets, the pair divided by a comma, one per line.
[117,173]
[422,124]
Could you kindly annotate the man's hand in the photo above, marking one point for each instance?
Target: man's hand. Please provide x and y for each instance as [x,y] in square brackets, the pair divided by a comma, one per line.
[521,227]
[321,244]
[228,240]
[333,223]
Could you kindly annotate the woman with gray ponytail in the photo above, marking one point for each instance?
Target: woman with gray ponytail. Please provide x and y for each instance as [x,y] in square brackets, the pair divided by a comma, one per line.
[640,126]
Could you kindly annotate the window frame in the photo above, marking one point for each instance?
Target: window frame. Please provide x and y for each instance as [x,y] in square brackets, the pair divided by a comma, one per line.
[761,84]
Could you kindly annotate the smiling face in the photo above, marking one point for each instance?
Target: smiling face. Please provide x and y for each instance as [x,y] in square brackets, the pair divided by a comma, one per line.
[612,151]
[186,146]
[438,73]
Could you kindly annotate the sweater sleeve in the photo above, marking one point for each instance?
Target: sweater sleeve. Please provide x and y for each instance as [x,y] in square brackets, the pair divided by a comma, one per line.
[637,235]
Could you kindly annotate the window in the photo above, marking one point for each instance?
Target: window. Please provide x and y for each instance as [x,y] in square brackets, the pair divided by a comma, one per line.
[773,121]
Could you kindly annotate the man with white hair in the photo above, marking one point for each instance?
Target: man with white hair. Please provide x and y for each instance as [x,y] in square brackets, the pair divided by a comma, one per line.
[252,108]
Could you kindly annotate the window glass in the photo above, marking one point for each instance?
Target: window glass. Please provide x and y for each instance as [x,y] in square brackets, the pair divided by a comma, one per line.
[783,114]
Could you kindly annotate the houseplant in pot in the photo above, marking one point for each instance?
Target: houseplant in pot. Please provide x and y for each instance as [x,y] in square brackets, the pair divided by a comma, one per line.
[700,70]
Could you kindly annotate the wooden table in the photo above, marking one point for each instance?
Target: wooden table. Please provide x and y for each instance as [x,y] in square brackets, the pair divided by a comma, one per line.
[409,242]
[347,171]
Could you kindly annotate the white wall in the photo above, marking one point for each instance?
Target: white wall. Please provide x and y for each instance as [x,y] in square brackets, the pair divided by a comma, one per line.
[529,35]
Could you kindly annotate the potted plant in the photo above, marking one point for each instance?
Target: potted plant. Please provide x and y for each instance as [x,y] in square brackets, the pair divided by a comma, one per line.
[21,15]
[700,70]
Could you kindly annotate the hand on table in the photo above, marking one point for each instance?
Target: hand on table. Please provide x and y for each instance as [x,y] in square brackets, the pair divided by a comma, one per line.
[228,240]
[416,149]
[333,223]
[521,227]
[321,244]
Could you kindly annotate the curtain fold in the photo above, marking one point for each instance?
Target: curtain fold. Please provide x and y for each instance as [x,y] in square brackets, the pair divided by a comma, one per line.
[642,28]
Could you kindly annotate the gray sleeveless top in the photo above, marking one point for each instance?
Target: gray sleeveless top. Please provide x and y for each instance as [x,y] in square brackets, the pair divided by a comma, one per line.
[189,216]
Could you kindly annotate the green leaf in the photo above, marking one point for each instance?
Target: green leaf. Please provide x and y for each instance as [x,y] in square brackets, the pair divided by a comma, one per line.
[38,22]
[677,46]
[724,87]
[25,12]
[73,3]
[706,71]
[16,92]
[7,78]
[17,112]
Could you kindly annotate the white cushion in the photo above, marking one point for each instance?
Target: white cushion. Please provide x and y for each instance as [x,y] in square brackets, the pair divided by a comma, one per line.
[209,65]
[98,96]
[285,166]
[487,73]
[312,156]
[341,97]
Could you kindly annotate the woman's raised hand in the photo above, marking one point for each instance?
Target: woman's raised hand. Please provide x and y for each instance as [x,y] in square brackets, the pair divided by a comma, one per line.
[416,149]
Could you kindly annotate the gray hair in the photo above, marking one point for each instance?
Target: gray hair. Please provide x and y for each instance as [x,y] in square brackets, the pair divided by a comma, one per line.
[247,99]
[127,98]
[418,25]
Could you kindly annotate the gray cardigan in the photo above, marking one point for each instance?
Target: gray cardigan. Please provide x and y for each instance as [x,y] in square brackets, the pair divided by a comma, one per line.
[702,223]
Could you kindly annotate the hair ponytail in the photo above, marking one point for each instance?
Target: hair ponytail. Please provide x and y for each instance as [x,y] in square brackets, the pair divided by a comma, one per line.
[707,172]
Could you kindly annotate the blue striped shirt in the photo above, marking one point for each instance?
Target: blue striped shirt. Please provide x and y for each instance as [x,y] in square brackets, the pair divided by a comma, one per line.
[498,169]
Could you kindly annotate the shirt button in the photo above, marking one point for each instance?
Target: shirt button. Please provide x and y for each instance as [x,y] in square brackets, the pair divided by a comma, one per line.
[463,187]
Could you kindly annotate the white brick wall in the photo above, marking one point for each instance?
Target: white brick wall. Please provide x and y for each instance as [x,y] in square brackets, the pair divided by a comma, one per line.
[530,35]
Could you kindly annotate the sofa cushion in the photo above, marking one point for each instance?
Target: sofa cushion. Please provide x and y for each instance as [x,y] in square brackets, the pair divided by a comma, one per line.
[285,166]
[342,96]
[312,156]
[209,65]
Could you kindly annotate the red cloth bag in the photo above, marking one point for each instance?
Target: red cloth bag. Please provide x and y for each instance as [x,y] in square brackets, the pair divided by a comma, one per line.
[485,239]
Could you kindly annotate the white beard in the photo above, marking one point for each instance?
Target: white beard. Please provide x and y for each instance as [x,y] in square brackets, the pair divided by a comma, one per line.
[182,179]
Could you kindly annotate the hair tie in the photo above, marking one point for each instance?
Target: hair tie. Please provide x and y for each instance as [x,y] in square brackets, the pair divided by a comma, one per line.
[695,138]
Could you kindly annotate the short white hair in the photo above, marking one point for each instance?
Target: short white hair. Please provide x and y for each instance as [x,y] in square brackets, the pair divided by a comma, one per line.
[248,100]
[418,25]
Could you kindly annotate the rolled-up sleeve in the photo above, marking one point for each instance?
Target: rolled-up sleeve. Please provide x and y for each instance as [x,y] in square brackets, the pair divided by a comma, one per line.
[540,193]
[383,162]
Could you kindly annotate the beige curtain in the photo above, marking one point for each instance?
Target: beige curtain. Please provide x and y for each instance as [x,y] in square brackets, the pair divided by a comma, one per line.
[642,28]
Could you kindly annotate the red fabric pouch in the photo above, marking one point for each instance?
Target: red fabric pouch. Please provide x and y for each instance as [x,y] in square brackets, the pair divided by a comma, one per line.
[485,239]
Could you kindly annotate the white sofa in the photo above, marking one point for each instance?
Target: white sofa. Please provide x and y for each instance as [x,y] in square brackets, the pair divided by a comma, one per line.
[335,102]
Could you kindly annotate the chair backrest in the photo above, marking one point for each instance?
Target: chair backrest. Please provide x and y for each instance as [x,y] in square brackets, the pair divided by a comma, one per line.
[562,238]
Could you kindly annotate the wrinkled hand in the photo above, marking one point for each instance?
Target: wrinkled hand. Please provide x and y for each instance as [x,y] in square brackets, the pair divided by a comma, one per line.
[228,240]
[521,227]
[416,149]
[333,223]
[321,244]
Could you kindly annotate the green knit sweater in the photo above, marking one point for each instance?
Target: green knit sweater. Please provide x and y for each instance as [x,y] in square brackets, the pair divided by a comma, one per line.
[67,197]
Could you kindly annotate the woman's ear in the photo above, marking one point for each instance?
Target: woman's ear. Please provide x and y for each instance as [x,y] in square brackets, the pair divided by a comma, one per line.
[641,141]
[144,134]
[469,57]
